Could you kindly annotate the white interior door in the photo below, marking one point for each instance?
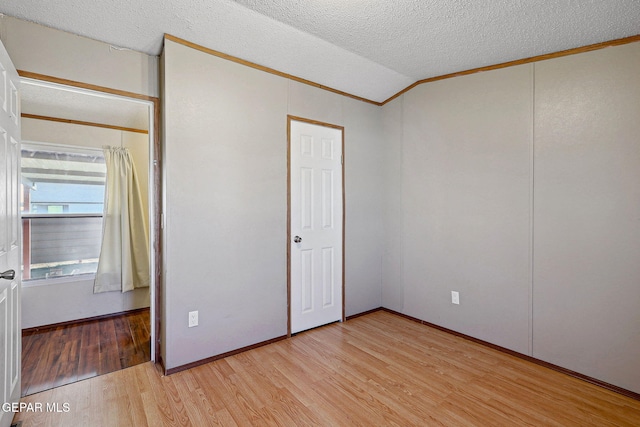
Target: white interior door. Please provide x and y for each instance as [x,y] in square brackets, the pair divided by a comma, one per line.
[316,225]
[10,336]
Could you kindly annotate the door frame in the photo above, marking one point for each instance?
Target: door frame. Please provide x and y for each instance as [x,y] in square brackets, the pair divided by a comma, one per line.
[291,118]
[155,190]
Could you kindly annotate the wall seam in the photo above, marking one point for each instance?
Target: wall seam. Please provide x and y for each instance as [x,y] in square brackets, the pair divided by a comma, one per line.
[532,203]
[288,96]
[402,248]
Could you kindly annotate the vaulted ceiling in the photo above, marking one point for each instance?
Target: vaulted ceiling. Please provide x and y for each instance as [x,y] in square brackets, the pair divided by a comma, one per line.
[368,48]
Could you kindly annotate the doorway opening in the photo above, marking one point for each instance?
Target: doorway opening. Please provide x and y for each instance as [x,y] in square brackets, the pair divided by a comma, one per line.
[64,130]
[315,224]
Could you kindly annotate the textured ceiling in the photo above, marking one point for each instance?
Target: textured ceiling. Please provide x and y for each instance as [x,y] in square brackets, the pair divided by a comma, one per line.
[422,39]
[369,48]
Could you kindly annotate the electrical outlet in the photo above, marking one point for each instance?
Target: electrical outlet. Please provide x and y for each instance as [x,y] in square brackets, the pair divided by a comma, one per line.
[193,319]
[455,297]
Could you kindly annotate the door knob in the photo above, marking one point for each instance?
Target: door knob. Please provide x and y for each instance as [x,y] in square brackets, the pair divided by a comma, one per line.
[9,275]
[297,239]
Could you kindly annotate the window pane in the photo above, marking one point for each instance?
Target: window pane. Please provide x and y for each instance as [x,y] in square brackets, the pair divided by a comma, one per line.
[64,246]
[62,198]
[62,180]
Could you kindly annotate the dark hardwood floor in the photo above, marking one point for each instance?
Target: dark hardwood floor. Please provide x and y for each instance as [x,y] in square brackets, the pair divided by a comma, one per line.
[61,355]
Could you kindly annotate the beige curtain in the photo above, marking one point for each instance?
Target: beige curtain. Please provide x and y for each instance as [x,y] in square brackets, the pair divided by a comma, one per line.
[124,257]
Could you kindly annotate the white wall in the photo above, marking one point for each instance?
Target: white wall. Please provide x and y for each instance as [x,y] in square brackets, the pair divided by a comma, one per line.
[66,299]
[392,292]
[519,189]
[465,182]
[225,165]
[39,49]
[587,214]
[225,205]
[364,160]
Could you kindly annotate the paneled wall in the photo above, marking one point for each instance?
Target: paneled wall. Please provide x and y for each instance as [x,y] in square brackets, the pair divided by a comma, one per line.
[465,192]
[519,189]
[586,294]
[225,136]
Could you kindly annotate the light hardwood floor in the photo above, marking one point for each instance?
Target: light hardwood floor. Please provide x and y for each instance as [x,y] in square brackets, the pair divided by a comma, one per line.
[379,369]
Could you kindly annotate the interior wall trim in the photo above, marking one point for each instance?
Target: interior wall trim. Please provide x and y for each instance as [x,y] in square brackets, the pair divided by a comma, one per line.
[537,58]
[82,123]
[265,69]
[364,313]
[221,356]
[80,321]
[577,375]
[560,369]
[89,86]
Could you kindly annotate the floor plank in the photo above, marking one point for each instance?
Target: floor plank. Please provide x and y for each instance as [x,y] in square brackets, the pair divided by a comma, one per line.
[61,355]
[377,369]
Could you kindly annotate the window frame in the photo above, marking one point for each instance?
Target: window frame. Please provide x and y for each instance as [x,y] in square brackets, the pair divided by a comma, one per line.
[75,149]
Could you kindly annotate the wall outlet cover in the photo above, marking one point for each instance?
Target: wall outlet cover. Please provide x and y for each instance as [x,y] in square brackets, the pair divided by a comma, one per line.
[193,319]
[455,297]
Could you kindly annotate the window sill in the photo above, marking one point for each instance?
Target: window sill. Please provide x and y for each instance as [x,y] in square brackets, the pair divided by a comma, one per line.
[32,283]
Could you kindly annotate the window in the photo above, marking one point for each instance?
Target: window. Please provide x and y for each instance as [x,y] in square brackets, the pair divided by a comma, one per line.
[62,197]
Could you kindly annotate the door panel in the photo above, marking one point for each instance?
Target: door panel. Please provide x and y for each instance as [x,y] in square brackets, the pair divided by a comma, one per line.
[328,278]
[12,193]
[10,337]
[316,221]
[15,346]
[4,352]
